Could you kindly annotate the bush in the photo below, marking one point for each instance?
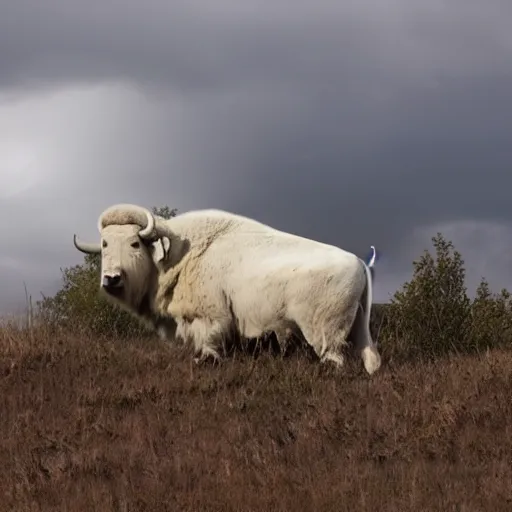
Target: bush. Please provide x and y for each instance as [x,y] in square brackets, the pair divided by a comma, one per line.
[80,306]
[432,315]
[490,322]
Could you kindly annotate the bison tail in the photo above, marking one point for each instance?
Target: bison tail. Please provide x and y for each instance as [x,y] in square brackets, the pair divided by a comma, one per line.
[369,268]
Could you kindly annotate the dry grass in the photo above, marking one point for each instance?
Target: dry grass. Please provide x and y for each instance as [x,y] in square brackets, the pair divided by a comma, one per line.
[131,426]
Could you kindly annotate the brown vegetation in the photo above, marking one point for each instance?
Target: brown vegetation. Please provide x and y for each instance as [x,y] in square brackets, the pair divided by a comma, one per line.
[90,424]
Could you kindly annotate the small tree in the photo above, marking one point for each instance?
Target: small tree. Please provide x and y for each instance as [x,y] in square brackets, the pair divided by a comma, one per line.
[429,315]
[491,318]
[79,305]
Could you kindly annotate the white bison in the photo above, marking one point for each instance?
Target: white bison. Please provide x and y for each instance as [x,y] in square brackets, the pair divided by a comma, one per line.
[207,274]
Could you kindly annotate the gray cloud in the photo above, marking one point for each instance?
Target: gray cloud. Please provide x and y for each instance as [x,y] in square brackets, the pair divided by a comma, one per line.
[355,125]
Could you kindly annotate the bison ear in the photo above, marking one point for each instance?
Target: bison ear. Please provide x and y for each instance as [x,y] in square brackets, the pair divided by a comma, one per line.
[161,249]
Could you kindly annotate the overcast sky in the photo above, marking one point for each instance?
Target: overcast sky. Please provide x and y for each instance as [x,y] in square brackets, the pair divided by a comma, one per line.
[354,123]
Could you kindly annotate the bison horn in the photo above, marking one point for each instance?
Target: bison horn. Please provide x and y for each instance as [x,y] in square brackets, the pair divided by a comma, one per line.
[87,248]
[148,230]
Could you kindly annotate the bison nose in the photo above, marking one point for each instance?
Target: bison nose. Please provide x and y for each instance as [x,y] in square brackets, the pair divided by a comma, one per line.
[112,281]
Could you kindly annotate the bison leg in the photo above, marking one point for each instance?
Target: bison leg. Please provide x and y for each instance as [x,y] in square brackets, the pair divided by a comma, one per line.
[327,343]
[329,335]
[284,337]
[207,336]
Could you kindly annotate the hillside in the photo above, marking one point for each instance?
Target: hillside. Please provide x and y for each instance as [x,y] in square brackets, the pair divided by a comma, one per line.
[132,426]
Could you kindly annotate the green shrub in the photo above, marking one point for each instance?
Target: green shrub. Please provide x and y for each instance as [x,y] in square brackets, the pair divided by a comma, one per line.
[432,315]
[490,322]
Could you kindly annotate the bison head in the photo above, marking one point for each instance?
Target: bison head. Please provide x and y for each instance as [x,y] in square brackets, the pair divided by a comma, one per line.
[130,247]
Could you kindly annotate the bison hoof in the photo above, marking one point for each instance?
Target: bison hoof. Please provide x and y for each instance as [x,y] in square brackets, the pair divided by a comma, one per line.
[333,358]
[207,359]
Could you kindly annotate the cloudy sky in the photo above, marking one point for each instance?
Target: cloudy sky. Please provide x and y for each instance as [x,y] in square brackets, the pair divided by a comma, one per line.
[354,123]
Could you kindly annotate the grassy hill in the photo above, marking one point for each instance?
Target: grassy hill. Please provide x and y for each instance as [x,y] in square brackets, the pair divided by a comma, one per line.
[90,424]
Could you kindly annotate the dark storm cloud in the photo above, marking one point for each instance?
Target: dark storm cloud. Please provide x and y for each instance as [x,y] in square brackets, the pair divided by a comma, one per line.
[352,124]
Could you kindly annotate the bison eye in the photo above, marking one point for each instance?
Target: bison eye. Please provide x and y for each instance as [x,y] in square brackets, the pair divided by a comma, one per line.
[135,245]
[104,243]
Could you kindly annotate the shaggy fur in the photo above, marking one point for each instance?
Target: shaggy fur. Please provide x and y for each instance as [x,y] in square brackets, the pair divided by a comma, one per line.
[207,274]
